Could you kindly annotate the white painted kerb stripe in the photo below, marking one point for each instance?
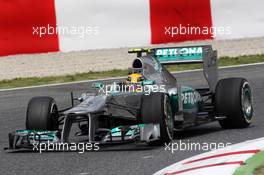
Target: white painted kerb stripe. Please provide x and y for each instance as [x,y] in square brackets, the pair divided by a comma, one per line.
[120,23]
[245,18]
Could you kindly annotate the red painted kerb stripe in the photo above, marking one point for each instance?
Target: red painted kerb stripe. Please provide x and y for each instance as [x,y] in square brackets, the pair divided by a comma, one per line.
[224,154]
[173,13]
[17,19]
[205,166]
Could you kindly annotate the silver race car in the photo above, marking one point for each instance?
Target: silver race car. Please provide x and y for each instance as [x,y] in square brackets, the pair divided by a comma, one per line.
[148,106]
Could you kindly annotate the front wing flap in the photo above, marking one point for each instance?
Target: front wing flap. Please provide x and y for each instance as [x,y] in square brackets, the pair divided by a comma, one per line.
[26,138]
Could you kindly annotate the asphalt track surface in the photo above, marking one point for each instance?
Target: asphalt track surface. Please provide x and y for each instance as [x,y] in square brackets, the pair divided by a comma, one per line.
[119,159]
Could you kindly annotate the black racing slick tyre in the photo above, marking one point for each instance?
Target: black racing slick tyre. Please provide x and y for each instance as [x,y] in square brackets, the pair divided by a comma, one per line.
[42,114]
[156,108]
[234,101]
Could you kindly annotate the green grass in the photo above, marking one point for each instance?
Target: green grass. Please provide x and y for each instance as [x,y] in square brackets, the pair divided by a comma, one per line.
[259,170]
[34,81]
[252,164]
[23,82]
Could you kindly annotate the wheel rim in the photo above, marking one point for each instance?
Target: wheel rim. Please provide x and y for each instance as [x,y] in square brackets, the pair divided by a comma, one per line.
[246,101]
[53,110]
[168,117]
[53,116]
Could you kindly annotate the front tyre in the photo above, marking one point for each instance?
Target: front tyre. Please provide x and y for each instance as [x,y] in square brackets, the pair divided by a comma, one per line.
[42,114]
[234,101]
[156,108]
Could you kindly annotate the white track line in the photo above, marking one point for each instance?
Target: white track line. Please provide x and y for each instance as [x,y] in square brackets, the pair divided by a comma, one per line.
[115,78]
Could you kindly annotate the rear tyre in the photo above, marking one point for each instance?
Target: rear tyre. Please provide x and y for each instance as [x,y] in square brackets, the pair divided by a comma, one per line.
[42,114]
[234,101]
[156,108]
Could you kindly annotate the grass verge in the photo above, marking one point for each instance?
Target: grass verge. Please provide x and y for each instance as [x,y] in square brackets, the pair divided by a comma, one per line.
[251,165]
[259,170]
[34,81]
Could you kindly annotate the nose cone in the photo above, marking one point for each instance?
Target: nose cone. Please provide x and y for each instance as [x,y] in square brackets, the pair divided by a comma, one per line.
[92,104]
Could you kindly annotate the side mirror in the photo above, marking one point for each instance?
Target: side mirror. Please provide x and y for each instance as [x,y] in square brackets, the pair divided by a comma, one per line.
[98,85]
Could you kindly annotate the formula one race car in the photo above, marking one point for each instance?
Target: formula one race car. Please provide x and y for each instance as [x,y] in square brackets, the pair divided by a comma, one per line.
[148,106]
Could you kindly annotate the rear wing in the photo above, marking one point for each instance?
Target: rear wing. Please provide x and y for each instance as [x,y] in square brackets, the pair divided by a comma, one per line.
[177,55]
[203,54]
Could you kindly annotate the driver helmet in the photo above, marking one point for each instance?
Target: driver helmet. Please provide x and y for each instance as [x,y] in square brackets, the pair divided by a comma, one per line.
[135,78]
